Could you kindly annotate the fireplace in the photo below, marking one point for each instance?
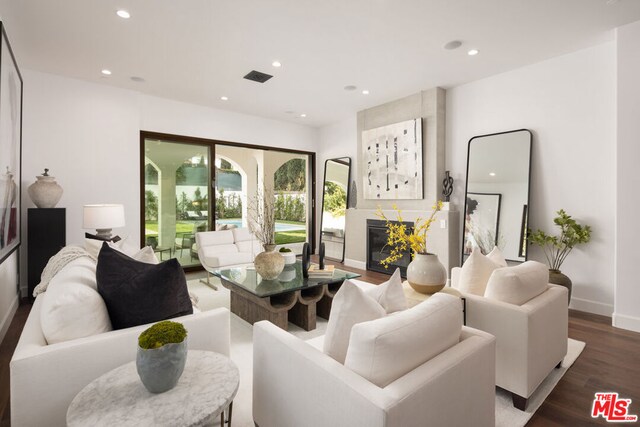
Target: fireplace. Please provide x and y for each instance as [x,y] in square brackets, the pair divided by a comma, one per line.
[377,250]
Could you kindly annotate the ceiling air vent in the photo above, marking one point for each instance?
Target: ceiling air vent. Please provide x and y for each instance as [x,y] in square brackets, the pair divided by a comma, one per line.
[257,76]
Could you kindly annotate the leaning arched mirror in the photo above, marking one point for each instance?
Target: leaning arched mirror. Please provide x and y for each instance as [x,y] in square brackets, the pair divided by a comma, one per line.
[334,206]
[497,194]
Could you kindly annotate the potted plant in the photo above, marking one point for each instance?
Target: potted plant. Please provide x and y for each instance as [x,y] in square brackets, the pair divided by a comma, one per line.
[262,223]
[162,354]
[288,255]
[425,272]
[557,248]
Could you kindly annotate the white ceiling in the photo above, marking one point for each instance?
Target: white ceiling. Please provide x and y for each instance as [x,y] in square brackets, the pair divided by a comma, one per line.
[198,50]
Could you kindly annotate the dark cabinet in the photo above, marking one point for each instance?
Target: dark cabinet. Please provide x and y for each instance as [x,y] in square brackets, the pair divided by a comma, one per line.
[46,235]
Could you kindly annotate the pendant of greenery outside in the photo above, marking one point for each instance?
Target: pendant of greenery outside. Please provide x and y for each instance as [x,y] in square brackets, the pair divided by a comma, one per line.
[557,248]
[425,273]
[161,356]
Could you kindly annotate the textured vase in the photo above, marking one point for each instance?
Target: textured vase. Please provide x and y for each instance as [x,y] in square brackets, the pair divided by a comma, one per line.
[269,264]
[45,192]
[160,368]
[426,274]
[557,278]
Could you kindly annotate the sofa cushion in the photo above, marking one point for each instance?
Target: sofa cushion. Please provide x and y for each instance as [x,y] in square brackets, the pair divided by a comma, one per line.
[228,259]
[242,235]
[137,293]
[385,349]
[496,256]
[252,247]
[519,284]
[71,307]
[213,238]
[475,273]
[390,294]
[350,306]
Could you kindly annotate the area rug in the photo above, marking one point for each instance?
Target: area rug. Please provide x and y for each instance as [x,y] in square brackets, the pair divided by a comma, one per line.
[242,355]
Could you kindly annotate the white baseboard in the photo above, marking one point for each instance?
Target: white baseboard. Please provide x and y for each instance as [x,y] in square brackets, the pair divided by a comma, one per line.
[626,322]
[355,264]
[589,306]
[6,322]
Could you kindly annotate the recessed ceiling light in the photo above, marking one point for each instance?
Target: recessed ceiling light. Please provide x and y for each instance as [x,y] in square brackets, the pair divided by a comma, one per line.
[492,174]
[350,87]
[276,64]
[123,14]
[106,72]
[303,115]
[473,52]
[365,92]
[224,98]
[453,44]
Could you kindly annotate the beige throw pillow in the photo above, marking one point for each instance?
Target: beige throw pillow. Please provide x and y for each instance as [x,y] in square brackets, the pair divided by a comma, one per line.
[390,294]
[496,256]
[519,284]
[350,306]
[475,273]
[383,350]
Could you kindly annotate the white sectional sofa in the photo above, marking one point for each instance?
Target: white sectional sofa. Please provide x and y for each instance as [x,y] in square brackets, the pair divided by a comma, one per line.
[224,248]
[45,378]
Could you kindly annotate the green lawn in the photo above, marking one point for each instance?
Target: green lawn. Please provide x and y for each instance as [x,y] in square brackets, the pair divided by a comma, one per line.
[181,226]
[295,236]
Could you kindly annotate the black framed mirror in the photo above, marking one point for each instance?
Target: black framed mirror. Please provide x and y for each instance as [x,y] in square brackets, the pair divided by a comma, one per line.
[337,176]
[497,194]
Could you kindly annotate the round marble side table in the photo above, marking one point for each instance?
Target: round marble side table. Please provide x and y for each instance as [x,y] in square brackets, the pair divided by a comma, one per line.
[118,398]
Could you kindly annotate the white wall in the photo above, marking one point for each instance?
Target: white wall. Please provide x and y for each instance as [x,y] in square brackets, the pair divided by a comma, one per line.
[627,307]
[88,135]
[569,104]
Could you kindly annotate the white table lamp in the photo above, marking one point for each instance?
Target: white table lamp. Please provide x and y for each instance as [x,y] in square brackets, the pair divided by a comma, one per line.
[103,218]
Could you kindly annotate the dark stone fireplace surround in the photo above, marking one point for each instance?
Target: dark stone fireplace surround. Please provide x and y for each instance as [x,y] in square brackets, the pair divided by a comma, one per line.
[376,250]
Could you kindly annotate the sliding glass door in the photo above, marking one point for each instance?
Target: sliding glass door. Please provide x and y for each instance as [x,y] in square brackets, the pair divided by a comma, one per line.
[191,185]
[176,197]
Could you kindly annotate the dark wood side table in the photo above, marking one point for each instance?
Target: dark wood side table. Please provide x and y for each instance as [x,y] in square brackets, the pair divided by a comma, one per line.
[46,235]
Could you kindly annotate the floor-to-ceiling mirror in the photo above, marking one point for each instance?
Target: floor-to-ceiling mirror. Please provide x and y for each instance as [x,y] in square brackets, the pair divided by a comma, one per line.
[337,175]
[192,184]
[497,194]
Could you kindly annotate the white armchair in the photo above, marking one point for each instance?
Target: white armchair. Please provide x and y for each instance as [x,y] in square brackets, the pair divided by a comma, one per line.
[295,384]
[531,339]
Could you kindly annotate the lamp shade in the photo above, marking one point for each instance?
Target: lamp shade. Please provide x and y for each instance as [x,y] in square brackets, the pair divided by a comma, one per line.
[103,216]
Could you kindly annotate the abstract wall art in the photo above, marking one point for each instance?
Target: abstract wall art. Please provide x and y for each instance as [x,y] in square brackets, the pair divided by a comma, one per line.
[392,164]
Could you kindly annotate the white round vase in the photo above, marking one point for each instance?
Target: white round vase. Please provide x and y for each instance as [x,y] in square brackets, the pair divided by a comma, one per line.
[269,264]
[45,192]
[426,274]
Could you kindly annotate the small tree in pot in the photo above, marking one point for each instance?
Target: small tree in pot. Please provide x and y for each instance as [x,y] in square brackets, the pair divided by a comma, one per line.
[557,248]
[162,354]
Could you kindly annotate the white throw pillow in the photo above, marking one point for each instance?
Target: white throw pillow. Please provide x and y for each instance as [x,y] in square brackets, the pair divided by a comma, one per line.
[475,273]
[72,307]
[390,294]
[385,349]
[350,306]
[496,256]
[519,284]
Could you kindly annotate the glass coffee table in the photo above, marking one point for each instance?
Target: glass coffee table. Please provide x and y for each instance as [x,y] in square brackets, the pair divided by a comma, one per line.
[288,298]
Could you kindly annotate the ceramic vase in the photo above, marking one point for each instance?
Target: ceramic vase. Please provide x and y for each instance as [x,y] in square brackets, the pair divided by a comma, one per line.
[160,368]
[557,278]
[289,257]
[45,192]
[269,264]
[426,274]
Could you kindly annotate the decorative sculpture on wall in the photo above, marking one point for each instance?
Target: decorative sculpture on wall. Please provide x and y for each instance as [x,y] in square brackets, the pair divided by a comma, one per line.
[353,196]
[447,186]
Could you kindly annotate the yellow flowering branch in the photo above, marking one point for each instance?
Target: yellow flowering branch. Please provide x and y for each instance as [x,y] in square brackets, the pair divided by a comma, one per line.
[399,239]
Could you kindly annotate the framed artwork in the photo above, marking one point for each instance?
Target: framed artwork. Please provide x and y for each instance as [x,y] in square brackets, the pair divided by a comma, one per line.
[482,221]
[10,148]
[393,161]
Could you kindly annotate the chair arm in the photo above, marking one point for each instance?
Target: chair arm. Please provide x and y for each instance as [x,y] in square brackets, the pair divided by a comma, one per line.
[47,377]
[295,384]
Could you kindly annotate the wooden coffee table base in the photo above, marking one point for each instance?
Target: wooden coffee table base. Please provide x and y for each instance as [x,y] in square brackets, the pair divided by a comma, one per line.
[298,307]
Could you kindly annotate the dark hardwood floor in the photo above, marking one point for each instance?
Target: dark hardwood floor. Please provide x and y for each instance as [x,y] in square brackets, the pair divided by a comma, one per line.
[610,362]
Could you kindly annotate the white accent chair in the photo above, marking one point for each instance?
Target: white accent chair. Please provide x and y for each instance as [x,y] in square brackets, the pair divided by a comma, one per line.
[226,248]
[531,339]
[295,384]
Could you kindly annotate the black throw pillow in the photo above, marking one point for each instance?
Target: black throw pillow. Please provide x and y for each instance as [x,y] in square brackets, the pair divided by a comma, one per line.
[137,293]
